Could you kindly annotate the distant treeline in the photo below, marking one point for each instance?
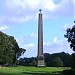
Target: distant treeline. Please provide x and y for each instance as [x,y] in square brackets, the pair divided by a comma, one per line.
[51,60]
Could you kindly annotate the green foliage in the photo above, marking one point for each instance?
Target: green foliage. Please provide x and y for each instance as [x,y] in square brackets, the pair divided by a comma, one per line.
[47,59]
[73,61]
[6,52]
[9,49]
[28,61]
[34,63]
[65,57]
[71,37]
[57,62]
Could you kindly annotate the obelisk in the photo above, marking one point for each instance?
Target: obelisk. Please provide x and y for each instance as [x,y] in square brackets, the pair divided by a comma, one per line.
[40,62]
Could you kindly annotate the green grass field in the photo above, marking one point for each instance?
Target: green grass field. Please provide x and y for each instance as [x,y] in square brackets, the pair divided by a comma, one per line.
[31,70]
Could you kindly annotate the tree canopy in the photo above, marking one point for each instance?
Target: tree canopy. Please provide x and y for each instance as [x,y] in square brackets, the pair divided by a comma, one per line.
[57,62]
[63,59]
[71,37]
[9,49]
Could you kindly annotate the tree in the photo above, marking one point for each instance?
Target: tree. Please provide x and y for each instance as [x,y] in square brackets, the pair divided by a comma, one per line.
[71,38]
[9,49]
[6,52]
[57,62]
[47,59]
[17,51]
[73,61]
[65,57]
[28,61]
[34,63]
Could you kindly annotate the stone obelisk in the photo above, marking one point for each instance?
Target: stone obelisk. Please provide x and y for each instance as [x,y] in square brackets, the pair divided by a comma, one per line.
[40,62]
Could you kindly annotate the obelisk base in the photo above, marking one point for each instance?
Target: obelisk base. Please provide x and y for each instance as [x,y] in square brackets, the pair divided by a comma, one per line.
[41,61]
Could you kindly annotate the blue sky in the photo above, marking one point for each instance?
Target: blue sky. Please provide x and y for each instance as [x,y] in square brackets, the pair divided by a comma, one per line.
[19,18]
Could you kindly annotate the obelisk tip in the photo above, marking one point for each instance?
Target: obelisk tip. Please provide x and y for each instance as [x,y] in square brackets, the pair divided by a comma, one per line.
[40,10]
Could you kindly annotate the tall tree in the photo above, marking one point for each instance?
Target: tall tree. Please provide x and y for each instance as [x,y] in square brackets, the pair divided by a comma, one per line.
[6,52]
[71,38]
[9,49]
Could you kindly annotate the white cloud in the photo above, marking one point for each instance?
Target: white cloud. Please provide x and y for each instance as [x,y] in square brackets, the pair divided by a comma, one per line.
[26,40]
[46,43]
[29,45]
[32,3]
[33,35]
[56,40]
[31,50]
[64,28]
[2,28]
[65,8]
[55,46]
[48,5]
[20,19]
[24,10]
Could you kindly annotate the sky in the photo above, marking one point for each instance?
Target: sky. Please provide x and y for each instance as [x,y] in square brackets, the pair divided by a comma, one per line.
[19,18]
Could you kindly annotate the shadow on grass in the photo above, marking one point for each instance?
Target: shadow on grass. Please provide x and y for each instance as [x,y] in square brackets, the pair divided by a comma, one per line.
[69,72]
[34,73]
[41,73]
[5,73]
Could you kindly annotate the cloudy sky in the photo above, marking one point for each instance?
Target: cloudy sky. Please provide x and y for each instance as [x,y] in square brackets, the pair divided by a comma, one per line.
[19,18]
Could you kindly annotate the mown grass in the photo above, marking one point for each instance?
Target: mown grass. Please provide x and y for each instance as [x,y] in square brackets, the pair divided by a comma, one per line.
[20,70]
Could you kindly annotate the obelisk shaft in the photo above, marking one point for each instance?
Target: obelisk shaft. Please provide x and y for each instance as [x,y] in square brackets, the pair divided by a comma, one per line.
[40,42]
[40,35]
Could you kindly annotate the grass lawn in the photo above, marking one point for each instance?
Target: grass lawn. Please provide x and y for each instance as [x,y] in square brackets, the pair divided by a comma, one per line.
[20,70]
